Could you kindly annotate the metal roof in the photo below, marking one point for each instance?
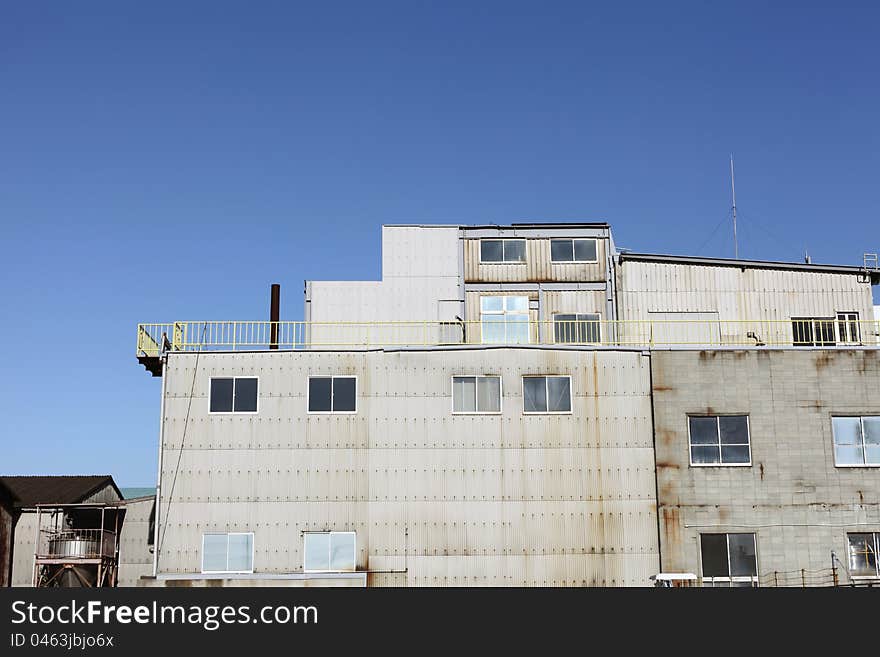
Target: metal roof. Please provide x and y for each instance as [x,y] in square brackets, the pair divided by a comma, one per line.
[548,224]
[750,264]
[33,490]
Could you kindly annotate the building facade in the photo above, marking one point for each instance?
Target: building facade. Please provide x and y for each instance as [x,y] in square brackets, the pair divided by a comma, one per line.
[526,406]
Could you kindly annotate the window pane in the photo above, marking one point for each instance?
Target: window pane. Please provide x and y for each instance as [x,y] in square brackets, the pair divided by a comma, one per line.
[585,250]
[704,430]
[564,326]
[491,251]
[733,453]
[561,251]
[713,548]
[734,430]
[494,329]
[862,556]
[319,393]
[246,395]
[534,394]
[489,394]
[221,395]
[705,454]
[847,430]
[848,456]
[342,551]
[517,329]
[515,251]
[344,393]
[802,330]
[491,304]
[317,552]
[214,552]
[559,394]
[241,552]
[742,555]
[872,430]
[872,454]
[589,329]
[520,304]
[825,332]
[464,394]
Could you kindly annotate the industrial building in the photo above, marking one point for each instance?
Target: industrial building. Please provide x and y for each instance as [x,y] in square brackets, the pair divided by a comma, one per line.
[72,531]
[527,405]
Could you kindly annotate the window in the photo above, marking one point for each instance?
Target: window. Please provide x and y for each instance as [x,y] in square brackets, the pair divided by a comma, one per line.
[848,328]
[329,552]
[729,559]
[856,440]
[492,251]
[332,394]
[863,550]
[547,394]
[719,440]
[234,395]
[504,320]
[228,553]
[813,331]
[476,394]
[573,251]
[577,329]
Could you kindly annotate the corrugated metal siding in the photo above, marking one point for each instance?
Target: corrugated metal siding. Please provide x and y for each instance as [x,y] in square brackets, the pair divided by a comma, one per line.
[537,268]
[753,294]
[135,558]
[457,500]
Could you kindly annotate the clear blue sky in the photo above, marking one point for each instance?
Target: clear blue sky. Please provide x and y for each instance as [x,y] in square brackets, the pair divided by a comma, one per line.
[163,161]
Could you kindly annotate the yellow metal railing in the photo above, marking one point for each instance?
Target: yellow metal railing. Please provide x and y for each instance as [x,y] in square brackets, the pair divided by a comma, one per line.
[154,339]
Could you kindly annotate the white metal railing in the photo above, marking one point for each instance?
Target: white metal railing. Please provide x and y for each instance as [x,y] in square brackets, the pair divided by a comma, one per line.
[154,339]
[76,544]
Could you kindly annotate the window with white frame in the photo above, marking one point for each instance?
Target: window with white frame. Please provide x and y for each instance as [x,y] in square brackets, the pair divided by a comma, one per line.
[329,552]
[577,328]
[719,440]
[813,331]
[574,250]
[848,328]
[228,553]
[863,550]
[500,251]
[546,394]
[729,559]
[476,394]
[233,394]
[332,394]
[504,320]
[856,440]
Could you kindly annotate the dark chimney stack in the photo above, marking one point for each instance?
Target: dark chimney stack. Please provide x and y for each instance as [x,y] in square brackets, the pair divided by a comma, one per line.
[274,312]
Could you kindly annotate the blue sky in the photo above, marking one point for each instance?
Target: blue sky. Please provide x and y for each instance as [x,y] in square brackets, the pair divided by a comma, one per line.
[163,161]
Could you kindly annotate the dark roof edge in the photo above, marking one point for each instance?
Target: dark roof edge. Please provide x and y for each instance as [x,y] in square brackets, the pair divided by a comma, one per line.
[753,264]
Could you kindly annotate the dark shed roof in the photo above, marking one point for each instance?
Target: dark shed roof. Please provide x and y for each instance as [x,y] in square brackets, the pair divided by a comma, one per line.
[33,490]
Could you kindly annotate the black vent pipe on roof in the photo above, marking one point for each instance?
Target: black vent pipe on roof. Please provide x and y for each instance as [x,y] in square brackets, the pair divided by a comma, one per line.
[274,312]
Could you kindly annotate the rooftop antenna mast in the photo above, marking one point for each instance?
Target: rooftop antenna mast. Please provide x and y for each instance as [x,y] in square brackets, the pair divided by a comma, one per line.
[733,194]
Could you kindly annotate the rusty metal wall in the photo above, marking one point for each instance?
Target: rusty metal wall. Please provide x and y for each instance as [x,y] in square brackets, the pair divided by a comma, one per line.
[537,268]
[7,540]
[508,499]
[798,504]
[135,557]
[739,294]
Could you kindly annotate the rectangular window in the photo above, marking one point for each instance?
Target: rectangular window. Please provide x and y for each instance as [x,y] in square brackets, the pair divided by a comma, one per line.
[228,553]
[856,440]
[729,559]
[329,552]
[577,329]
[498,251]
[848,328]
[234,395]
[476,394]
[504,320]
[332,394]
[547,394]
[573,251]
[719,439]
[863,549]
[813,331]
